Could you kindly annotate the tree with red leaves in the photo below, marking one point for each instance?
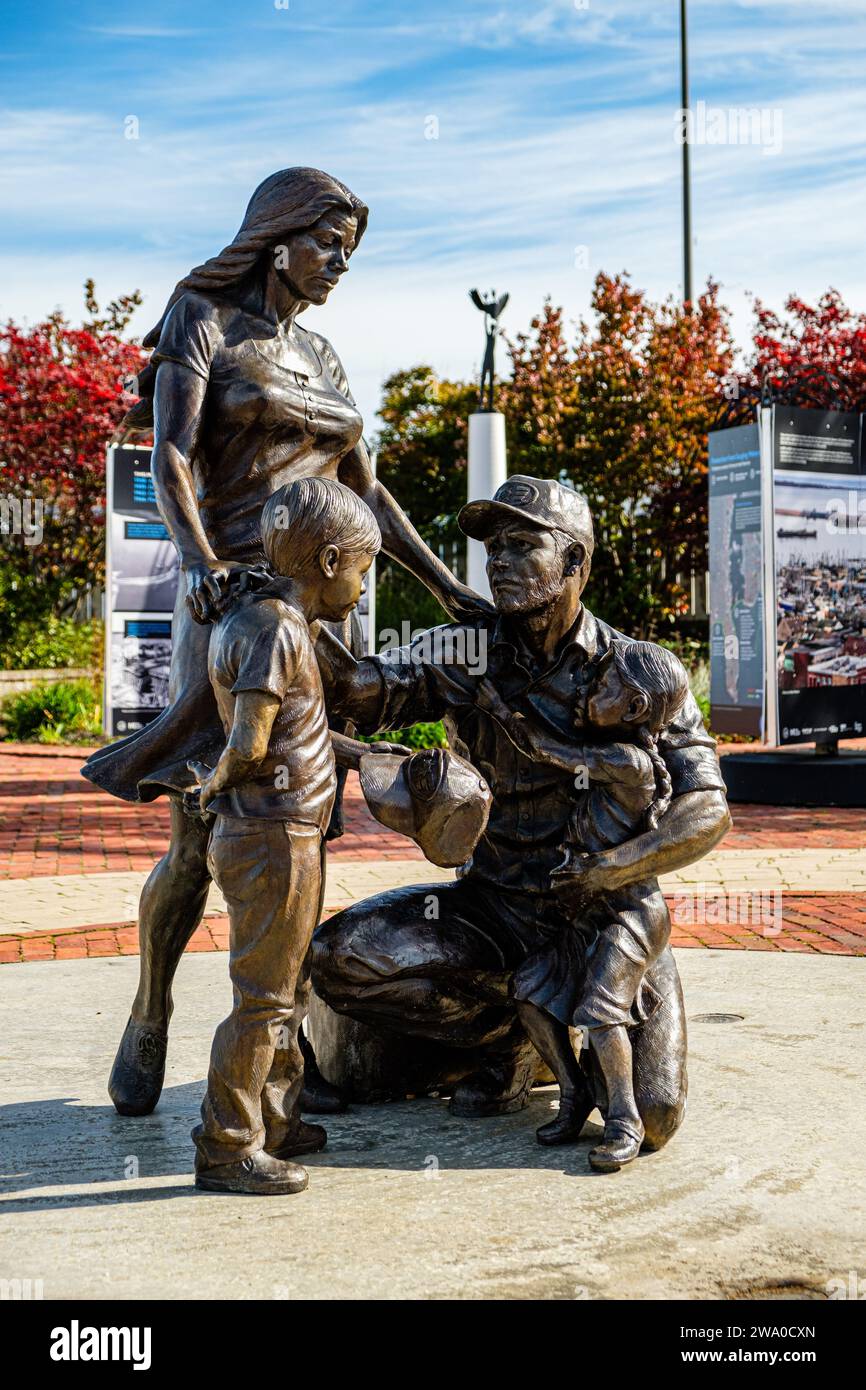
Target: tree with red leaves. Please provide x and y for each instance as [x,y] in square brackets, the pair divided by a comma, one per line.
[624,415]
[810,356]
[62,396]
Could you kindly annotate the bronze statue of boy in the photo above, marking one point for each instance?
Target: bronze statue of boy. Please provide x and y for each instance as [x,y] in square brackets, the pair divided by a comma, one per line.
[272,792]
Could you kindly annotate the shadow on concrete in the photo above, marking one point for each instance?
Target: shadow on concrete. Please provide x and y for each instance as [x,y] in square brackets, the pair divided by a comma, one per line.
[61,1143]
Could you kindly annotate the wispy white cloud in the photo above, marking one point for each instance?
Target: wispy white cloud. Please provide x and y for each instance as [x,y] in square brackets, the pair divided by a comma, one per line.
[555,132]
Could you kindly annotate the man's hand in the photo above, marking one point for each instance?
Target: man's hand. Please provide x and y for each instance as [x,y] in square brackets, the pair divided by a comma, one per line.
[584,876]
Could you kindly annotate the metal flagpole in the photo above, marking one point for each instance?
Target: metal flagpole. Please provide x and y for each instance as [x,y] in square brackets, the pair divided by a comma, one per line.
[687,191]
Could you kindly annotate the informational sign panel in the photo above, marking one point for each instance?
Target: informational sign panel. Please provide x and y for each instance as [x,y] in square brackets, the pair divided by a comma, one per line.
[788,577]
[736,582]
[140,659]
[819,569]
[142,577]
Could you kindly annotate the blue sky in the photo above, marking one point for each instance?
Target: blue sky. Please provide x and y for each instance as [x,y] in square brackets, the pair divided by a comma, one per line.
[555,154]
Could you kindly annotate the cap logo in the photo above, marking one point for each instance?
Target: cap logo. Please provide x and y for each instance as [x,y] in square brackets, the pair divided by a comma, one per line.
[425,772]
[517,494]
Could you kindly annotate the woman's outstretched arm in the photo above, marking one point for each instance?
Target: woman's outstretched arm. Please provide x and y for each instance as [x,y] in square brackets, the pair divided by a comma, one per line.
[402,542]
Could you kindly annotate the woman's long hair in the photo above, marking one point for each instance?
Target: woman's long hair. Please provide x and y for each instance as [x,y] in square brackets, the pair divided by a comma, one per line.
[656,673]
[289,201]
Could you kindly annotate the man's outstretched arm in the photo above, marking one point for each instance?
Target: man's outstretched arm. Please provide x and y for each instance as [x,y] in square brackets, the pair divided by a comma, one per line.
[694,824]
[375,692]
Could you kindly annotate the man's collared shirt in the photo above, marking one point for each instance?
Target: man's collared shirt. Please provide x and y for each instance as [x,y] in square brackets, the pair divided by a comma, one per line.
[437,677]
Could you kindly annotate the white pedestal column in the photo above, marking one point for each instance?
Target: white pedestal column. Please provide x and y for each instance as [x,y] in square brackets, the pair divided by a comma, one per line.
[487,472]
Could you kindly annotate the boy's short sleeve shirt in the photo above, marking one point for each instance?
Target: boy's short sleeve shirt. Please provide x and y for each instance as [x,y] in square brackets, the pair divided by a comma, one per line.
[265,645]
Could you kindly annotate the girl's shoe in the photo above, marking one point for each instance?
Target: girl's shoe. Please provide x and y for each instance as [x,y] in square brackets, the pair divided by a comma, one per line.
[620,1145]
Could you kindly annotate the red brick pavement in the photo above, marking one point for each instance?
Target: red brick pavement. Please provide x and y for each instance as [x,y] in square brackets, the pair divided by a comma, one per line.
[820,923]
[53,821]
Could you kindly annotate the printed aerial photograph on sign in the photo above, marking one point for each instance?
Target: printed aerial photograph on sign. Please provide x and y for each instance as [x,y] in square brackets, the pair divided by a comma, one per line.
[819,522]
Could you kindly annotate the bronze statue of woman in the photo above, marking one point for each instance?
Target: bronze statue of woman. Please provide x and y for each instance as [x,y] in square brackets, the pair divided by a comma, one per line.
[241,400]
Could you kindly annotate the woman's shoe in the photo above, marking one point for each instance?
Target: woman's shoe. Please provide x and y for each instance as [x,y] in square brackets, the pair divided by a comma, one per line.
[620,1145]
[574,1111]
[301,1139]
[138,1072]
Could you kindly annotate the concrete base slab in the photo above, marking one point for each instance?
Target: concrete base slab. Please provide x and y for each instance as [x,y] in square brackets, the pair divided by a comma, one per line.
[762,1193]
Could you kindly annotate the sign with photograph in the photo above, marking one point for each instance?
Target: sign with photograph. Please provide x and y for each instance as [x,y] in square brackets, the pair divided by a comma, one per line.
[819,570]
[788,577]
[142,576]
[736,582]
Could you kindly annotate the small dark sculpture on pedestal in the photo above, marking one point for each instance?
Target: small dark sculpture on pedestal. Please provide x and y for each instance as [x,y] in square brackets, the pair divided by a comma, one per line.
[602,777]
[491,309]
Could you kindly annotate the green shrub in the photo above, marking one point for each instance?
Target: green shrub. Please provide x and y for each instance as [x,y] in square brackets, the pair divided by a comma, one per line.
[52,643]
[67,711]
[416,736]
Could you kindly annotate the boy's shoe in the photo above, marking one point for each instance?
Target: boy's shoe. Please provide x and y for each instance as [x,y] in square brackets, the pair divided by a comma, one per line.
[138,1072]
[574,1111]
[259,1175]
[301,1139]
[620,1145]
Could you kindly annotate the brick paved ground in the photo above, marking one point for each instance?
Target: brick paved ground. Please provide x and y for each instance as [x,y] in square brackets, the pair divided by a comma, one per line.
[53,822]
[827,923]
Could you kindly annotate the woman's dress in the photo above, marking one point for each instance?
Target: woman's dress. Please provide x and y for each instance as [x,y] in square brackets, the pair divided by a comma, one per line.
[267,420]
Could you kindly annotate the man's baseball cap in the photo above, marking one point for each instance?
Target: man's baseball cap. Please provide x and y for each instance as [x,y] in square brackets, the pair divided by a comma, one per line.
[435,797]
[540,502]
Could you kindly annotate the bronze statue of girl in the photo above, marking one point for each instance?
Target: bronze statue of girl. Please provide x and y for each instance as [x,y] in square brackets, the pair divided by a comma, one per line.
[241,400]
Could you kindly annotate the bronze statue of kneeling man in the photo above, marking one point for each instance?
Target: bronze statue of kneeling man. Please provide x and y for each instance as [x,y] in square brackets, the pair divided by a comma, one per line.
[272,791]
[556,919]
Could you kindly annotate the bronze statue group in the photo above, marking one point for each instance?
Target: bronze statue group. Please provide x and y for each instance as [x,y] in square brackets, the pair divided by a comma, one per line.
[578,768]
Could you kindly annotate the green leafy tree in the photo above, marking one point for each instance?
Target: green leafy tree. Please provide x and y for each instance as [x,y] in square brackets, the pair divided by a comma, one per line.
[421,459]
[623,414]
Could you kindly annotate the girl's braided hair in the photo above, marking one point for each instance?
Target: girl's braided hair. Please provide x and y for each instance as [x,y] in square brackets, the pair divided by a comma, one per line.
[655,673]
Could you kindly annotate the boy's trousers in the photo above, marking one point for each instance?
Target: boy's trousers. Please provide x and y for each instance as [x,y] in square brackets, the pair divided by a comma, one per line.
[271,874]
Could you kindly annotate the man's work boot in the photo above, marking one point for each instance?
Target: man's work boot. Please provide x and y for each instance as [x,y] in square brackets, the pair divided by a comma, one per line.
[500,1088]
[300,1138]
[259,1175]
[318,1096]
[136,1078]
[574,1111]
